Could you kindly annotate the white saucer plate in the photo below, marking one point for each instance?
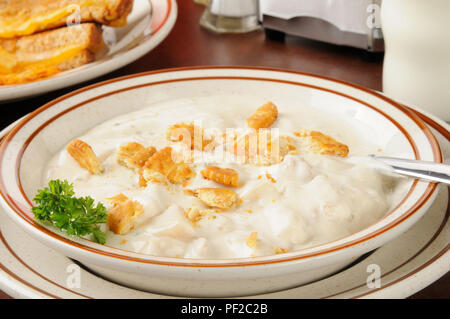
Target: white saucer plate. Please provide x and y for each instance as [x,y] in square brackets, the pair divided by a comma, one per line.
[149,23]
[28,269]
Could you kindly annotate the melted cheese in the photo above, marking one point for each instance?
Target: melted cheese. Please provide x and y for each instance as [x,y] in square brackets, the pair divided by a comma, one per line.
[24,72]
[7,61]
[24,25]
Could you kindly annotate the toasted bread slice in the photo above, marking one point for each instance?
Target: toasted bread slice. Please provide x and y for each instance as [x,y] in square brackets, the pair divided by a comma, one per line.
[122,217]
[224,176]
[194,214]
[41,55]
[189,134]
[85,156]
[320,143]
[49,44]
[161,167]
[133,155]
[260,147]
[217,197]
[264,116]
[25,17]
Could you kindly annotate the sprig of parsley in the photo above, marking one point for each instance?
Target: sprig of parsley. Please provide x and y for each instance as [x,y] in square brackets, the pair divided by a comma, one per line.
[77,216]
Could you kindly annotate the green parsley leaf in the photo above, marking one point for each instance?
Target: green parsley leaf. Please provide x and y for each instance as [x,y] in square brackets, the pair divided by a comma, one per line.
[77,216]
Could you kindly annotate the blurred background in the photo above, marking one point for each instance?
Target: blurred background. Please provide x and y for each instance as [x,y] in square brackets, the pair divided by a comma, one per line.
[343,39]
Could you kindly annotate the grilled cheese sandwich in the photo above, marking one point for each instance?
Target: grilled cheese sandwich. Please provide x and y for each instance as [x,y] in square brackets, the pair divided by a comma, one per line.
[40,38]
[25,17]
[44,54]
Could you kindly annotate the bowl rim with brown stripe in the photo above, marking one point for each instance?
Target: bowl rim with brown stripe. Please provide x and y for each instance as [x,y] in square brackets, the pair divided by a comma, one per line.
[18,205]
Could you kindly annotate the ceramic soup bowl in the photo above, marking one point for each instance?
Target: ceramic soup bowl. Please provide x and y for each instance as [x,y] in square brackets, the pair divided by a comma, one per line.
[27,149]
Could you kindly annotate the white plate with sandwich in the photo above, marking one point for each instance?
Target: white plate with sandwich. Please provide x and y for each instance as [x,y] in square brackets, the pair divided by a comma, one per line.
[46,45]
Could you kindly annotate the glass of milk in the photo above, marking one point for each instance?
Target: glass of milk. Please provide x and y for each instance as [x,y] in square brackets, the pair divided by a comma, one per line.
[416,67]
[231,16]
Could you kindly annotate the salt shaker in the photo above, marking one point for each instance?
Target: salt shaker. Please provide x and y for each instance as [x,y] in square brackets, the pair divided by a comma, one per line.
[231,16]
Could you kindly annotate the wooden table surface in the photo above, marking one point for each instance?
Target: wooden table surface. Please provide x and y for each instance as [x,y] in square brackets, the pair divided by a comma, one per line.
[190,45]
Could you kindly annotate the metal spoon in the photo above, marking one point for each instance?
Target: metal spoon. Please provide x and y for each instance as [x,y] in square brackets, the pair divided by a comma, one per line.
[429,171]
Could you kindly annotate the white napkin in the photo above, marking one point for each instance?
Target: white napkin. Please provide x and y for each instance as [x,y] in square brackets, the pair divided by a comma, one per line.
[347,15]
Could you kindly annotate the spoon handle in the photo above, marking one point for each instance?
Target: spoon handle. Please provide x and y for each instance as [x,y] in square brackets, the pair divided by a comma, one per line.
[430,171]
